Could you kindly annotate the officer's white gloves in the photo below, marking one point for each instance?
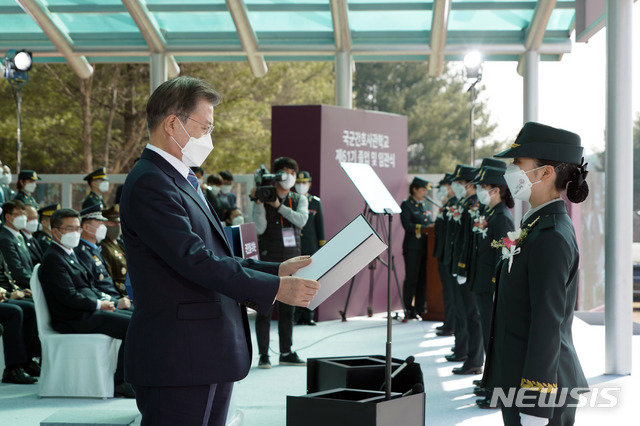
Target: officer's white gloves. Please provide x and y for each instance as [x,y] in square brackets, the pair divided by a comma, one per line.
[528,420]
[461,280]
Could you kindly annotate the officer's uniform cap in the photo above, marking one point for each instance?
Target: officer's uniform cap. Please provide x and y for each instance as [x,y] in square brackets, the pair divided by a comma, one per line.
[420,183]
[112,213]
[100,173]
[492,162]
[48,210]
[464,172]
[542,142]
[28,174]
[490,176]
[303,177]
[93,212]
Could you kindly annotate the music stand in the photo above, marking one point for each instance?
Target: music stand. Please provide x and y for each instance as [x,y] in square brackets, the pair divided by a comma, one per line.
[379,201]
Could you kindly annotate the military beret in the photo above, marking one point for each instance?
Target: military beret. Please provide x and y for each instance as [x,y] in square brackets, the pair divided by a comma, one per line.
[112,213]
[100,173]
[420,183]
[490,176]
[93,212]
[28,174]
[464,172]
[303,177]
[492,162]
[48,210]
[542,142]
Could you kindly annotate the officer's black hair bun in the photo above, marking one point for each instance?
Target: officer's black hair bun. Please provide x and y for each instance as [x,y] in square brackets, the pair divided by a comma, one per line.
[578,188]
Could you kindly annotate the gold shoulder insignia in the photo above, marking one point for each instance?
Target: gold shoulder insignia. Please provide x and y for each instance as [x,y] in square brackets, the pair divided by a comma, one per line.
[538,386]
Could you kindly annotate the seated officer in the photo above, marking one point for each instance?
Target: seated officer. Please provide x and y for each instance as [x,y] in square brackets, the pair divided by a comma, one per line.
[89,254]
[32,226]
[5,181]
[74,304]
[43,235]
[98,185]
[112,252]
[27,186]
[12,243]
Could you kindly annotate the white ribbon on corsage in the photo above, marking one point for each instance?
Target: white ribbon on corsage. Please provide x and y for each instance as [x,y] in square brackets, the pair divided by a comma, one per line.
[512,250]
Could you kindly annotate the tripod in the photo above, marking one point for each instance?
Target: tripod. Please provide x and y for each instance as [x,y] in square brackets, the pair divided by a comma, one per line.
[377,220]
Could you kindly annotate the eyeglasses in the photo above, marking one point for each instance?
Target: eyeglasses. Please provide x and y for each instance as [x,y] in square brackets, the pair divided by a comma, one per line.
[209,127]
[70,228]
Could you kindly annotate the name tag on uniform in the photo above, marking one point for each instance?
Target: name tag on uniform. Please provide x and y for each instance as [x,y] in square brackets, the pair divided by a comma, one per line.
[288,237]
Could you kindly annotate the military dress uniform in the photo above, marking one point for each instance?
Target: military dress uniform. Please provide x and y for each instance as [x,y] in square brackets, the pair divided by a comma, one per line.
[531,345]
[44,240]
[92,198]
[440,228]
[415,218]
[23,195]
[113,254]
[311,239]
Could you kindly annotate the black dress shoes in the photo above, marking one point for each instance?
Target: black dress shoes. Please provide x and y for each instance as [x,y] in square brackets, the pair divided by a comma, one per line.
[17,376]
[485,403]
[455,358]
[467,370]
[477,382]
[32,369]
[481,391]
[441,327]
[444,333]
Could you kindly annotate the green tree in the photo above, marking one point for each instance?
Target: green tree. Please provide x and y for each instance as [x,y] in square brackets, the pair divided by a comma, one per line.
[437,108]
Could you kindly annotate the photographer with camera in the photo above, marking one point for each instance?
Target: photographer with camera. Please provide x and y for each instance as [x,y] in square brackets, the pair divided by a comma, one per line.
[279,215]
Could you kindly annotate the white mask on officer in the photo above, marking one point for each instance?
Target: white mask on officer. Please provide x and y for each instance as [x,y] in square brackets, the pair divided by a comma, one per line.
[518,182]
[70,240]
[32,226]
[302,188]
[459,190]
[288,183]
[195,150]
[20,222]
[101,232]
[215,190]
[483,196]
[225,189]
[238,220]
[30,187]
[103,186]
[442,193]
[6,179]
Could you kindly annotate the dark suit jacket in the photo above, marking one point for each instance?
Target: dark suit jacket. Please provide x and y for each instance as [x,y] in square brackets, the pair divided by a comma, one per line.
[485,258]
[531,345]
[66,286]
[190,325]
[17,257]
[34,249]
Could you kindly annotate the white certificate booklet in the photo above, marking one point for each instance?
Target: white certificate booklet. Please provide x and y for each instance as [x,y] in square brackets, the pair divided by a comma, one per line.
[342,257]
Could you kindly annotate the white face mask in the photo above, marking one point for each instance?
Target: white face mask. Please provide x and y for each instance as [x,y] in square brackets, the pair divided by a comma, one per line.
[20,222]
[30,187]
[302,188]
[238,220]
[101,232]
[196,150]
[483,196]
[70,240]
[215,190]
[32,226]
[518,182]
[459,190]
[442,193]
[288,183]
[104,186]
[6,179]
[225,189]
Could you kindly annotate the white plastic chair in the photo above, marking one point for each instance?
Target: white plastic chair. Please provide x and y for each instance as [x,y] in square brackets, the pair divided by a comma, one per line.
[73,365]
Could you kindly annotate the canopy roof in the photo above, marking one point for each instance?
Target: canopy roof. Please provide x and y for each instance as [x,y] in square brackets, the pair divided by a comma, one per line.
[284,30]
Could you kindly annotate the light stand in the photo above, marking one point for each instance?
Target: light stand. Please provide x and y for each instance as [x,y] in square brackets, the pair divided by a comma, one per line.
[473,67]
[388,212]
[17,64]
[17,96]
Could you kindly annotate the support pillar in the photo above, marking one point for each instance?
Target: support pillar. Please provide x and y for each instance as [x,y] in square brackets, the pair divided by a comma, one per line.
[158,70]
[344,80]
[619,189]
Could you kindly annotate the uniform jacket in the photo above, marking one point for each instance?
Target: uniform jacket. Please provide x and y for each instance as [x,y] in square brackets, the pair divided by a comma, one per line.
[441,229]
[414,216]
[457,228]
[44,240]
[34,249]
[190,324]
[17,257]
[91,258]
[473,209]
[91,200]
[26,198]
[67,287]
[492,224]
[116,263]
[312,235]
[531,344]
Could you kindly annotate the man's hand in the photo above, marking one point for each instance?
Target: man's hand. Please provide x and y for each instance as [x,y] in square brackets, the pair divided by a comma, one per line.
[16,295]
[252,194]
[3,295]
[297,291]
[124,303]
[27,292]
[107,306]
[291,266]
[275,204]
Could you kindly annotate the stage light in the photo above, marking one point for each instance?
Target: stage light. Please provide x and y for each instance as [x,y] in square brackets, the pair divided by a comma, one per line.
[22,60]
[473,64]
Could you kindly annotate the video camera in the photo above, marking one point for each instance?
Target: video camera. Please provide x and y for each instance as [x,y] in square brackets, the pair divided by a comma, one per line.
[265,184]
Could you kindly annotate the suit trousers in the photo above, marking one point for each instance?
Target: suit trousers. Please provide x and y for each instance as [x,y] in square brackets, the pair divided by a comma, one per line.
[285,329]
[113,324]
[475,348]
[185,406]
[29,326]
[414,290]
[484,301]
[447,296]
[461,335]
[11,318]
[562,416]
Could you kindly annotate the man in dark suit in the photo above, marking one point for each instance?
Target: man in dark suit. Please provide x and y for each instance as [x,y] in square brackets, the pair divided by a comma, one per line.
[12,242]
[74,304]
[33,246]
[189,337]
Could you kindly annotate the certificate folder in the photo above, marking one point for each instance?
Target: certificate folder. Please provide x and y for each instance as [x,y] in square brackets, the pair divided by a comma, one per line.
[346,254]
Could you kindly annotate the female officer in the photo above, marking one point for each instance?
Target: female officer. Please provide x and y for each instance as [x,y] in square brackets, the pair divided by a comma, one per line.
[415,218]
[531,348]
